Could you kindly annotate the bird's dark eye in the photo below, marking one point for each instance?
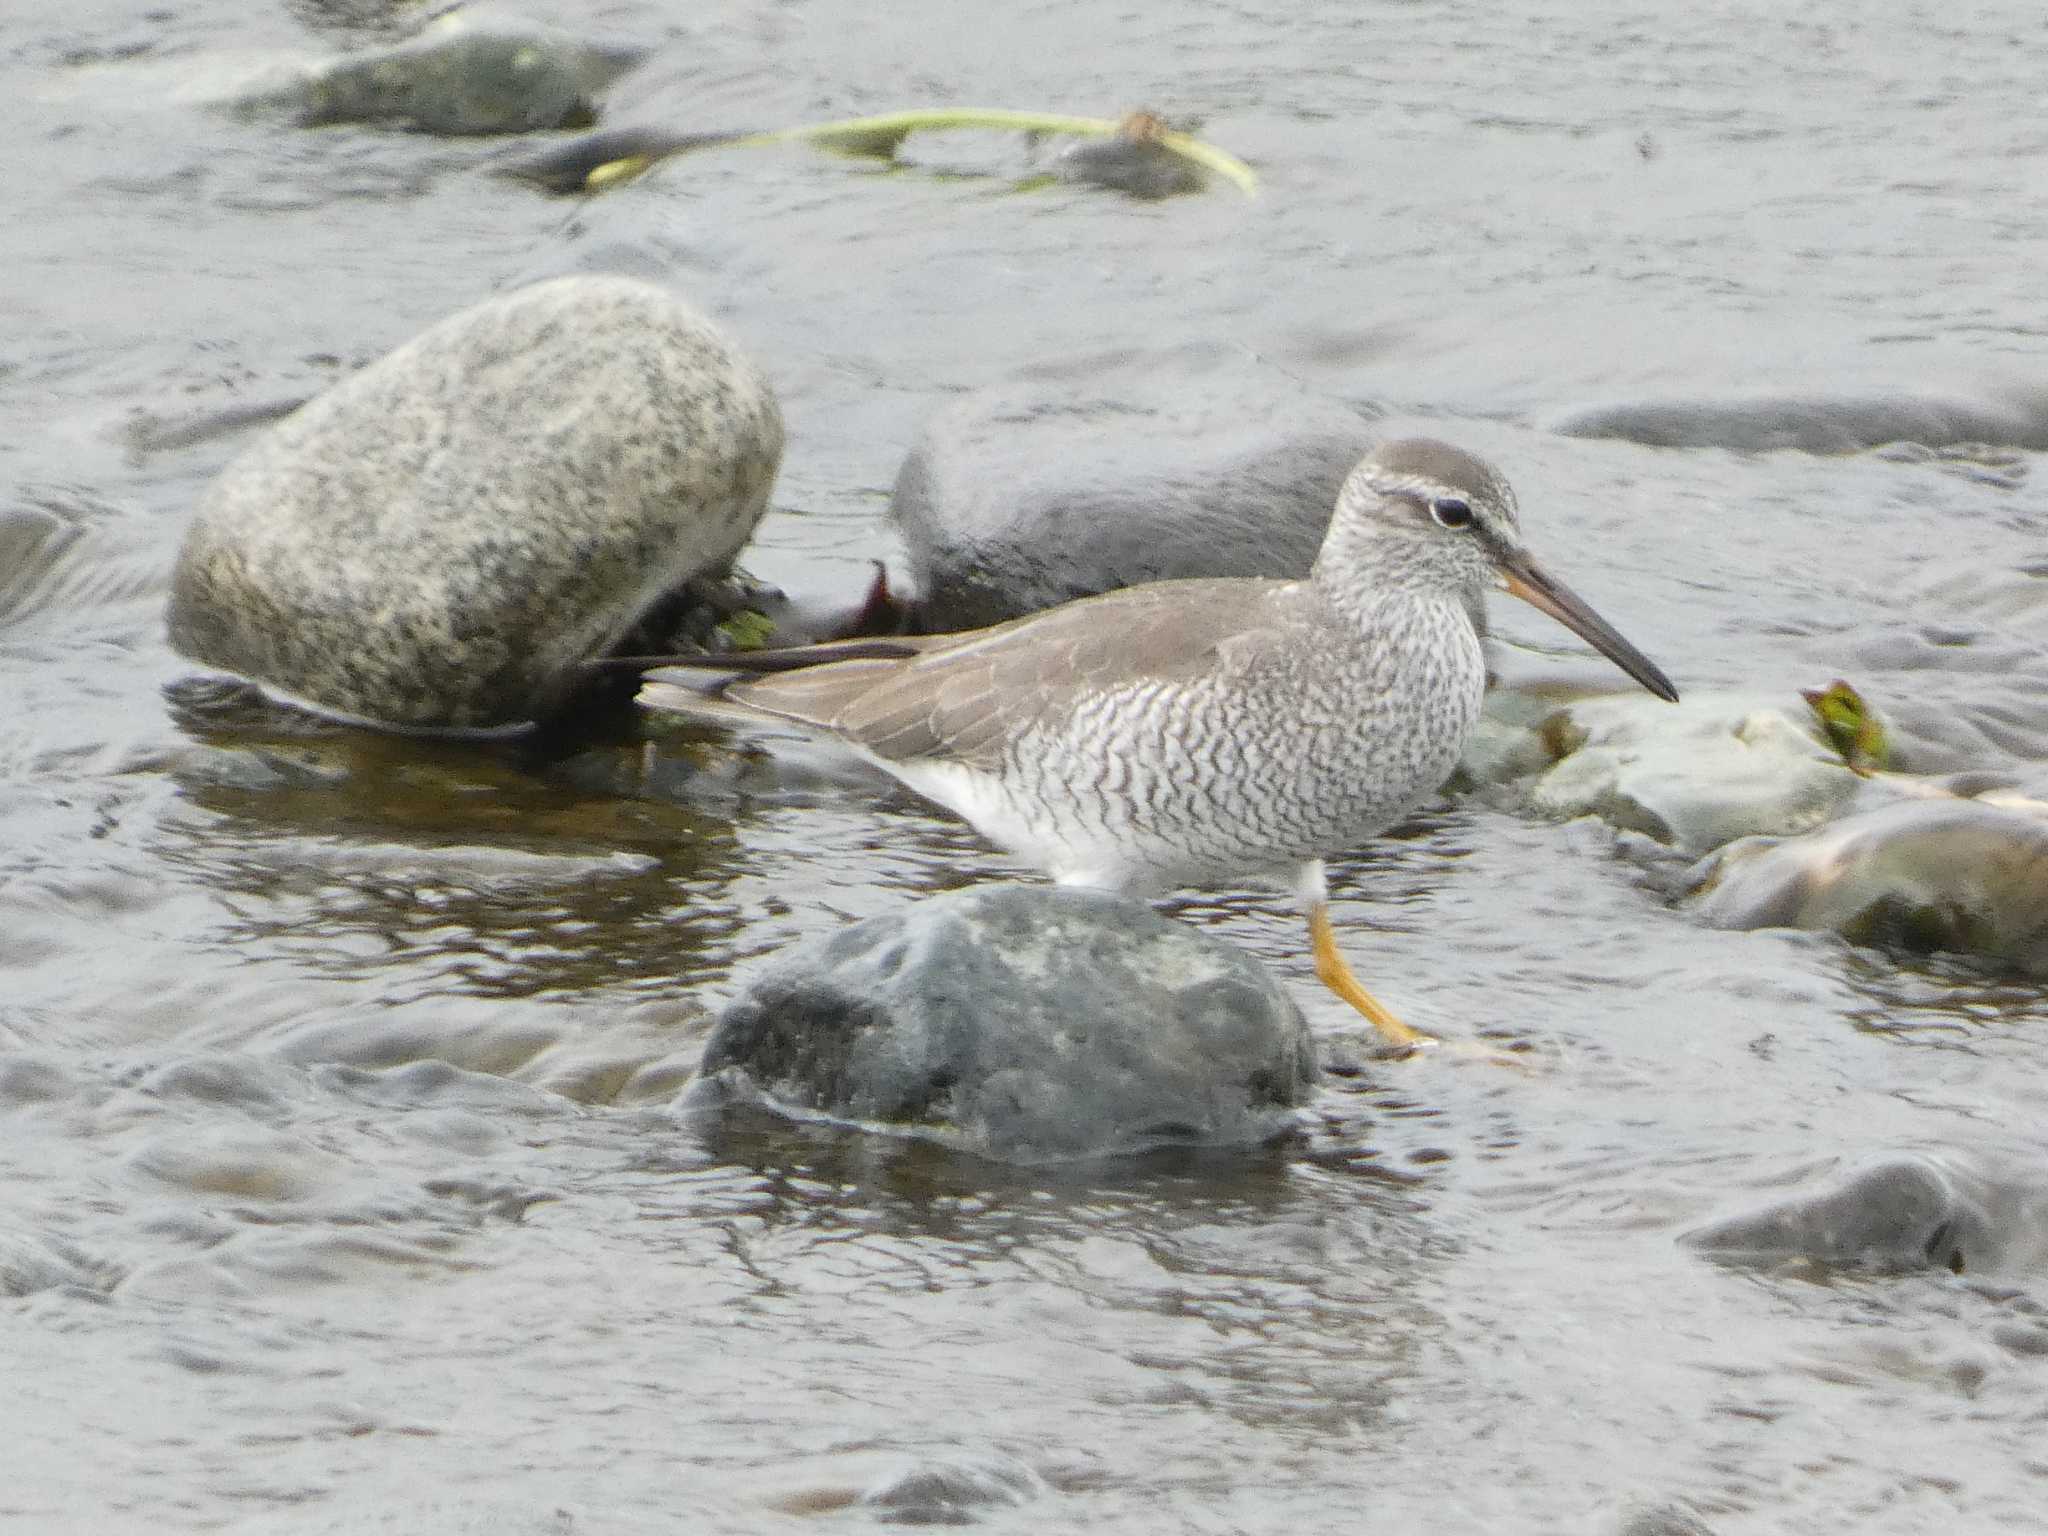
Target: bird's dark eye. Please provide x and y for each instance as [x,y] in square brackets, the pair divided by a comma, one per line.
[1451,511]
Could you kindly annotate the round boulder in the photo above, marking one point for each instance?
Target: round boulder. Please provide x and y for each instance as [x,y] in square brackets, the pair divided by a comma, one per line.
[439,541]
[1022,496]
[1922,874]
[1025,1024]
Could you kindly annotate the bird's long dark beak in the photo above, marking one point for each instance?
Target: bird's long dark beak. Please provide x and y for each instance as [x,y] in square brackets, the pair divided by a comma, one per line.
[1522,576]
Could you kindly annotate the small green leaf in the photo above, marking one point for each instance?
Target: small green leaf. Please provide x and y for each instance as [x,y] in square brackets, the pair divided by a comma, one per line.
[747,630]
[1850,726]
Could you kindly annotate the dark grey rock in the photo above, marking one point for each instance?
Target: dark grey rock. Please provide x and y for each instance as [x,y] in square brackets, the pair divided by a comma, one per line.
[462,75]
[1904,1212]
[952,1490]
[439,541]
[1922,874]
[567,168]
[1019,497]
[1133,165]
[1815,424]
[1025,1024]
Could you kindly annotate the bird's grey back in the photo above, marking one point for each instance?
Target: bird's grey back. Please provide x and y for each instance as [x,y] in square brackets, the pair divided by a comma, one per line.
[964,695]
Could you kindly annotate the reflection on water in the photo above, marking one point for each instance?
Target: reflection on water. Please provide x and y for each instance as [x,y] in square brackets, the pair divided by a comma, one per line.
[499,869]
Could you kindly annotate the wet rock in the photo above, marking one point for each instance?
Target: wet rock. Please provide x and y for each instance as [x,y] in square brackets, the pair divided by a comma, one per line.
[1903,1212]
[1509,741]
[952,1491]
[1132,161]
[1025,1024]
[1025,495]
[466,73]
[440,541]
[1921,874]
[1694,775]
[596,161]
[1815,424]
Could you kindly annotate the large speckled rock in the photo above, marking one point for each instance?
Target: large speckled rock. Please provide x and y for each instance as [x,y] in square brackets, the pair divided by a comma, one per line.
[1025,495]
[465,73]
[1025,1024]
[439,541]
[1925,873]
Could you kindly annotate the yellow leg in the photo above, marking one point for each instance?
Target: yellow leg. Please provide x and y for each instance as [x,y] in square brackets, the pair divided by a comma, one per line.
[1336,975]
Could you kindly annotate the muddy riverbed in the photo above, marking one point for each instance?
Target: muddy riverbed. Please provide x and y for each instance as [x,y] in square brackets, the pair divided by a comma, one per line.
[341,1187]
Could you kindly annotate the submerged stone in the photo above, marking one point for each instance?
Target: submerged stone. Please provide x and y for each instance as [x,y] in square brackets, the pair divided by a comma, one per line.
[952,1490]
[1902,1212]
[1922,874]
[1026,495]
[1024,1024]
[594,162]
[1815,423]
[440,541]
[1132,161]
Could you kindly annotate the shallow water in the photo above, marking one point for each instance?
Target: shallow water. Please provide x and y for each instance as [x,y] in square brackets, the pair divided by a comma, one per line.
[338,1175]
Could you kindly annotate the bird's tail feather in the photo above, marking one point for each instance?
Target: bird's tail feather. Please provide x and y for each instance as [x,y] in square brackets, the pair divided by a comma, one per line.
[781,659]
[699,698]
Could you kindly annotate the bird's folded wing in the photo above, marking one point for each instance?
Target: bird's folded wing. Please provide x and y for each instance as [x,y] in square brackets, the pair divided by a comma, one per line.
[965,695]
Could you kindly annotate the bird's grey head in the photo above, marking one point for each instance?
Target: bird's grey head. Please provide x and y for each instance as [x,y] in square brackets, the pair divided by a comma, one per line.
[1420,515]
[1421,518]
